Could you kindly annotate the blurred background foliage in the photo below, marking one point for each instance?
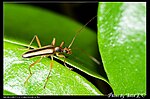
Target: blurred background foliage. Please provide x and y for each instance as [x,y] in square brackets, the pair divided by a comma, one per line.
[79,11]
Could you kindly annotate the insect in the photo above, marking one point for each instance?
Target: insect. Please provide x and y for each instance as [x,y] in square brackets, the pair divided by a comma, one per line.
[49,50]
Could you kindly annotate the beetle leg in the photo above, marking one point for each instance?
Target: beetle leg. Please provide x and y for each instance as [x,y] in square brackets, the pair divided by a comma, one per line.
[60,55]
[30,69]
[37,40]
[51,65]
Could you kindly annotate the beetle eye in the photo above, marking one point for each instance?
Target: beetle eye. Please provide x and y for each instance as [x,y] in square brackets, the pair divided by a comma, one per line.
[65,51]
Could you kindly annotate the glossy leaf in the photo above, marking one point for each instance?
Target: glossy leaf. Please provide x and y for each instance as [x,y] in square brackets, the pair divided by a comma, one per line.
[61,82]
[122,43]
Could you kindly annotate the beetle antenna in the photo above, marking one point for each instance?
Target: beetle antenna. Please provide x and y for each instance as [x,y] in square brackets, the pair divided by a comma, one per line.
[80,31]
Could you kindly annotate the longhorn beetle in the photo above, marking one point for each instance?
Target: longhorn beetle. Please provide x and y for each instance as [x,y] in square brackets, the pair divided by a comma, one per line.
[49,50]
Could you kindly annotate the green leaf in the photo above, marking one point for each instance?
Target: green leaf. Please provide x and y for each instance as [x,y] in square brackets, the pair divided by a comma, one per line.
[5,92]
[122,44]
[21,23]
[61,82]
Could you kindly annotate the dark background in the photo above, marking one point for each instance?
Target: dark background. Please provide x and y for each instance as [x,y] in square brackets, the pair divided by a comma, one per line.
[81,12]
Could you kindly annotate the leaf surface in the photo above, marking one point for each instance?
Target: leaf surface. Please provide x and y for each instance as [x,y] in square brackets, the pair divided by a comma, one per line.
[122,44]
